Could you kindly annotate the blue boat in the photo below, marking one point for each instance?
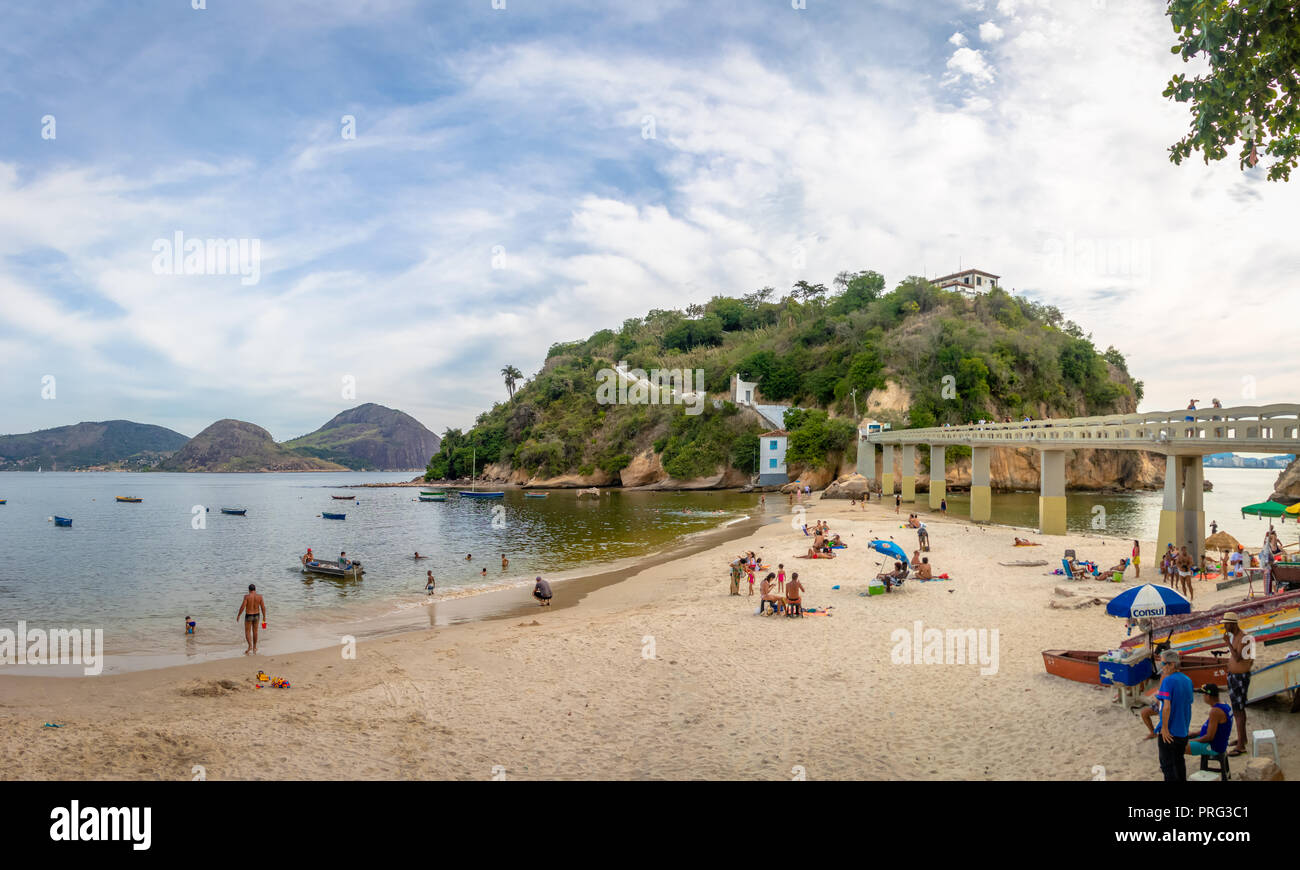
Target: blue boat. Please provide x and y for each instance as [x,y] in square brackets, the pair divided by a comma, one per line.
[433,498]
[474,494]
[235,512]
[62,521]
[329,516]
[536,494]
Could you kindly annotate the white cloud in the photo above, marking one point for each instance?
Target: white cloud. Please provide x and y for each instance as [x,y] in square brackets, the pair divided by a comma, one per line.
[970,62]
[990,32]
[957,39]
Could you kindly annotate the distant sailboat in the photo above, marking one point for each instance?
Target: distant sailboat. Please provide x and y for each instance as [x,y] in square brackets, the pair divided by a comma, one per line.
[473,488]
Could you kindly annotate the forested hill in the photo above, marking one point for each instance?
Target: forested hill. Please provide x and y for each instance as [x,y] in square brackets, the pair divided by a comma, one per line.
[916,356]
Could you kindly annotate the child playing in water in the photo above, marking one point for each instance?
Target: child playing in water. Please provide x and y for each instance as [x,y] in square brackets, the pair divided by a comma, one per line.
[428,582]
[189,625]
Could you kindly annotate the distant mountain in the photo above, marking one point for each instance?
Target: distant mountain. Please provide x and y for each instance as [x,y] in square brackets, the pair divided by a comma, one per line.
[233,445]
[111,444]
[370,437]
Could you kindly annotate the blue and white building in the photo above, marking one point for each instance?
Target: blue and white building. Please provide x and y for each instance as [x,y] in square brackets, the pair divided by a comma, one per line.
[771,458]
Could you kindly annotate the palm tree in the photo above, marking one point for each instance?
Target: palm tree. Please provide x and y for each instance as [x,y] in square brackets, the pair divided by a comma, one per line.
[512,376]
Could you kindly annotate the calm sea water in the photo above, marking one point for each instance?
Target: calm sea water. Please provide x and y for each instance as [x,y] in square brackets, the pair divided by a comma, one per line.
[1137,515]
[138,569]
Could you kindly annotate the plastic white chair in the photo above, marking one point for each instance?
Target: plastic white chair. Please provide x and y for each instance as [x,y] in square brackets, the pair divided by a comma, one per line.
[1265,736]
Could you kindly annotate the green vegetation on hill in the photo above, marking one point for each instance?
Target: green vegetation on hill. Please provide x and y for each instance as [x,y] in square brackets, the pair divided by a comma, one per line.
[958,358]
[116,444]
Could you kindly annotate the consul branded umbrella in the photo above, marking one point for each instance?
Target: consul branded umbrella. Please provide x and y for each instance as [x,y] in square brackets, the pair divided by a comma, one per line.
[1147,601]
[890,549]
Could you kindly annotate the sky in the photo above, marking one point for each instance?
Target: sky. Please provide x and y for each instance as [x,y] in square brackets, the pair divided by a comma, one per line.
[430,191]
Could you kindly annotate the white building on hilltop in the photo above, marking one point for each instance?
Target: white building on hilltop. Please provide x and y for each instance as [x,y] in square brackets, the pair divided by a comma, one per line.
[969,281]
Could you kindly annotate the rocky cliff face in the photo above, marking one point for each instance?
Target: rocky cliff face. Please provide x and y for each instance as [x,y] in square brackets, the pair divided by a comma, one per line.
[370,437]
[1286,489]
[233,445]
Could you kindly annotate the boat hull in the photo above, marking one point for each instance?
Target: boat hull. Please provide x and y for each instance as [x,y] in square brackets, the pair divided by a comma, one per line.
[471,494]
[334,516]
[62,521]
[234,513]
[343,497]
[332,569]
[1274,679]
[432,498]
[1083,666]
[129,499]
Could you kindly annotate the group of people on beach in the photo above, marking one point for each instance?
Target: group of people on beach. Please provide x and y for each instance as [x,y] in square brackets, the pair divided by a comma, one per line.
[1172,708]
[775,591]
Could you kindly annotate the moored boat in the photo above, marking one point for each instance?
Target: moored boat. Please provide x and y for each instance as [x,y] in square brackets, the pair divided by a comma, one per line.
[62,521]
[129,498]
[1084,666]
[343,497]
[433,498]
[536,494]
[476,494]
[332,569]
[3,500]
[235,512]
[330,516]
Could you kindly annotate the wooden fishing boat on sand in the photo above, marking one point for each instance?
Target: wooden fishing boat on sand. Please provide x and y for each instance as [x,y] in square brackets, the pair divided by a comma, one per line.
[1275,679]
[1203,629]
[1084,666]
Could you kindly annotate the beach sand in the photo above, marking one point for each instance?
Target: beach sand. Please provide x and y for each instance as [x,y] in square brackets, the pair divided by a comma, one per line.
[662,675]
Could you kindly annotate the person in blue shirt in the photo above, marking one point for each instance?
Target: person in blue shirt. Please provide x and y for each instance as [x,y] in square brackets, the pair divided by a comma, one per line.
[1213,739]
[1175,699]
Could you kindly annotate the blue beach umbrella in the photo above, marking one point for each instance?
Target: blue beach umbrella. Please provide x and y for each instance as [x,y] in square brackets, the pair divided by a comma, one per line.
[1146,601]
[890,549]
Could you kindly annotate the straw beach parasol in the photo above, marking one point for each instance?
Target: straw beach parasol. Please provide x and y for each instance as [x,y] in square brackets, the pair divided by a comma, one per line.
[1225,544]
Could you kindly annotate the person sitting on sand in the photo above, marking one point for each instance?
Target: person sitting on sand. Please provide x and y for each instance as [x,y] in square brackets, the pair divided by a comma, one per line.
[793,595]
[428,582]
[542,592]
[1118,568]
[889,577]
[767,594]
[924,571]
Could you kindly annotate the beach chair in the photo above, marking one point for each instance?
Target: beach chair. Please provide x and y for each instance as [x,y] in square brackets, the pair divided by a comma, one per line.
[1073,571]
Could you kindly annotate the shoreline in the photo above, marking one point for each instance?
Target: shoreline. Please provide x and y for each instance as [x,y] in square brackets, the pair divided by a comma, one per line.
[503,599]
[652,672]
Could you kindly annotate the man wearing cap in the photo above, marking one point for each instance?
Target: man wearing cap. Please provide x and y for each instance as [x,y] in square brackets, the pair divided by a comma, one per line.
[542,592]
[1175,699]
[1238,677]
[1213,739]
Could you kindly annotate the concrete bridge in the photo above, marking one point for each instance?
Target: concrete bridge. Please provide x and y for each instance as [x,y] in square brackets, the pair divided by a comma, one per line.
[1183,437]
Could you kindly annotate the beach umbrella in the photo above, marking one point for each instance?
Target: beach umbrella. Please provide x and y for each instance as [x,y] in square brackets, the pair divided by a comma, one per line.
[1221,541]
[890,549]
[1294,509]
[1147,601]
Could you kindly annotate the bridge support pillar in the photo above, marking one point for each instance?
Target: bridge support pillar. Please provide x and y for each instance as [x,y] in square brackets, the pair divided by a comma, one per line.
[867,460]
[1194,507]
[890,452]
[938,476]
[1171,512]
[981,491]
[1051,493]
[1182,519]
[908,485]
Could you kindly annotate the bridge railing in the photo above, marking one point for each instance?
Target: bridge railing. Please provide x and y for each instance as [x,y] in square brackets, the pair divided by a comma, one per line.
[1278,424]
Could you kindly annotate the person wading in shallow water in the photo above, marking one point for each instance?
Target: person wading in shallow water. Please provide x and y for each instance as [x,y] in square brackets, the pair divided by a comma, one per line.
[253,609]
